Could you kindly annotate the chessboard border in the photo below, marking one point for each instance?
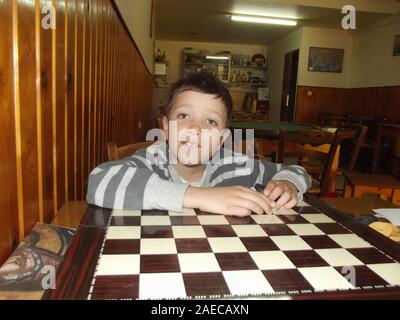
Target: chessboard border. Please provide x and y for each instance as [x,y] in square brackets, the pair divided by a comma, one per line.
[73,284]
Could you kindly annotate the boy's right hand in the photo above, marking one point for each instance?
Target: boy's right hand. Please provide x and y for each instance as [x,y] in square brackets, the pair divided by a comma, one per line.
[236,201]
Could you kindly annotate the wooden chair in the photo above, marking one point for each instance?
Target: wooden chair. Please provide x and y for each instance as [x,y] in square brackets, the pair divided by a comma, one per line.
[351,148]
[269,145]
[305,145]
[115,153]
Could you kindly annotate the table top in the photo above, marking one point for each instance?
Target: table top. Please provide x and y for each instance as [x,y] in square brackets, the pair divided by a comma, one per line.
[272,125]
[299,254]
[373,180]
[358,206]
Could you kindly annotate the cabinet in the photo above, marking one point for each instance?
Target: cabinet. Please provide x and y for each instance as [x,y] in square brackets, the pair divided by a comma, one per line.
[218,65]
[248,72]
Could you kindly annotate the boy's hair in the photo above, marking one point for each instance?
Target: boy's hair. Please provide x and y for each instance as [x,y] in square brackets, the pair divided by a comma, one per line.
[204,83]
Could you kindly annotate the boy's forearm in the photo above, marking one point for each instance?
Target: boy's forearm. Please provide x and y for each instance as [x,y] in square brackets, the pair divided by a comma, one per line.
[192,197]
[296,175]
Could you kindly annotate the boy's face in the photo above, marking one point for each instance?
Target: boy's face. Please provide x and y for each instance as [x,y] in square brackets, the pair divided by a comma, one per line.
[195,128]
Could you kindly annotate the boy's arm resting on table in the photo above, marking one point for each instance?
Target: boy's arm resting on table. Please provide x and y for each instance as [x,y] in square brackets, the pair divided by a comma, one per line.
[294,174]
[297,175]
[131,184]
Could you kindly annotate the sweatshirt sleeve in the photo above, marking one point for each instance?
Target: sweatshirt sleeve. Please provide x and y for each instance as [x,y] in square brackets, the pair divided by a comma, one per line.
[132,184]
[292,173]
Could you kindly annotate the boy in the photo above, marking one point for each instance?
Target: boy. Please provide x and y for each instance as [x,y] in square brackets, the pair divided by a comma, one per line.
[192,172]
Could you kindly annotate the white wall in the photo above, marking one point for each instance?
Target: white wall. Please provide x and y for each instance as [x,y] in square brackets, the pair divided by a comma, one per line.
[136,14]
[173,52]
[276,62]
[326,38]
[373,62]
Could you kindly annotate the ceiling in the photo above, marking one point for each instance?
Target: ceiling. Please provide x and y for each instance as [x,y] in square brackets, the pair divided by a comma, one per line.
[209,20]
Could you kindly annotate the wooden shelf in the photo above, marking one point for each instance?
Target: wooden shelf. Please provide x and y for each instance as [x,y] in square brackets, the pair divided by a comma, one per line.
[248,67]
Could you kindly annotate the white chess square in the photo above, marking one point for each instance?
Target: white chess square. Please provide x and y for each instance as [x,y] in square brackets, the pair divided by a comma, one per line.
[303,204]
[161,286]
[213,220]
[123,232]
[305,229]
[317,218]
[126,213]
[247,282]
[338,257]
[267,219]
[272,260]
[116,264]
[325,278]
[390,272]
[198,262]
[284,211]
[226,244]
[185,212]
[157,246]
[250,230]
[188,232]
[155,221]
[349,241]
[290,243]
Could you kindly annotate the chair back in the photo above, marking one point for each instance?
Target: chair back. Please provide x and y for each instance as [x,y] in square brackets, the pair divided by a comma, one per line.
[269,144]
[117,153]
[315,151]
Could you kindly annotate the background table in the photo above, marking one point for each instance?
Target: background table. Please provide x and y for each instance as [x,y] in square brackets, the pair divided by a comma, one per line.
[358,206]
[271,125]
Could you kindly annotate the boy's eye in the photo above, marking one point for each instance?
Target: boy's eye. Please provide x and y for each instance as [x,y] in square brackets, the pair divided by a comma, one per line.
[212,122]
[182,116]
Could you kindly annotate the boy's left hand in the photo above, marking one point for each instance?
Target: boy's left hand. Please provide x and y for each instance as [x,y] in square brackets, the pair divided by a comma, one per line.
[283,193]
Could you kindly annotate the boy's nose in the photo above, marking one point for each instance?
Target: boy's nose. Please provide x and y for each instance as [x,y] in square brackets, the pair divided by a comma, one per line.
[194,129]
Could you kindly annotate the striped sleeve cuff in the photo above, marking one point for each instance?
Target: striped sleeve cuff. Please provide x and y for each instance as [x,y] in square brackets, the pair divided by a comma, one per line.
[164,195]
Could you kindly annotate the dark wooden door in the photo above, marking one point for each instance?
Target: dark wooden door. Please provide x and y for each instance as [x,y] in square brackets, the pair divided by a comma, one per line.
[289,86]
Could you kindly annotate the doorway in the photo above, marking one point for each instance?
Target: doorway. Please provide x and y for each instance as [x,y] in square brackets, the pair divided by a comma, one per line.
[289,86]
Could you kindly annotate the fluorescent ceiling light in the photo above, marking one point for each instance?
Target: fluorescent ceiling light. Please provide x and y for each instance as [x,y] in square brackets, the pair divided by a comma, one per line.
[217,57]
[260,19]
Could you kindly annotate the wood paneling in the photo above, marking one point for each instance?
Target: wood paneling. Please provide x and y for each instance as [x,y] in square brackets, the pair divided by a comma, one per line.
[382,102]
[64,93]
[8,171]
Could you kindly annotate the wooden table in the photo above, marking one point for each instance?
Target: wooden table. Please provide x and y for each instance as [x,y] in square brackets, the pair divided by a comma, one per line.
[385,130]
[357,184]
[282,248]
[333,120]
[358,206]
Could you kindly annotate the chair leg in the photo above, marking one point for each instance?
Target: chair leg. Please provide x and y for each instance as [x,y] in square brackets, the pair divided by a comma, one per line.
[396,197]
[348,190]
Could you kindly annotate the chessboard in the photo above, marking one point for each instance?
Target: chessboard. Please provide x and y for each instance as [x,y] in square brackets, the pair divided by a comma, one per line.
[301,252]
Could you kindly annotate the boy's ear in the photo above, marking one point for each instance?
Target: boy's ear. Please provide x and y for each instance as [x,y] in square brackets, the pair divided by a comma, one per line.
[165,125]
[225,134]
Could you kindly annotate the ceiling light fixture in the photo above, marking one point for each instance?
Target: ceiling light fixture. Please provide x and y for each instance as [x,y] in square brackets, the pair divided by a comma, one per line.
[262,19]
[217,58]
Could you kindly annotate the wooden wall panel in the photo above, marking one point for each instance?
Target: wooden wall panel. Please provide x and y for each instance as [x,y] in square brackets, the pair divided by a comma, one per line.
[28,158]
[64,93]
[382,102]
[70,113]
[60,107]
[46,107]
[8,172]
[79,56]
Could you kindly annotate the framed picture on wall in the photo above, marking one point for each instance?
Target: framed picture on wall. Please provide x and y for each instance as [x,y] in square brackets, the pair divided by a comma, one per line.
[396,45]
[325,60]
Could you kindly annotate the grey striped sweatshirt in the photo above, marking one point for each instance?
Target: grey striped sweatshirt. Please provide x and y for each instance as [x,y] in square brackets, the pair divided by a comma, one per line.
[146,180]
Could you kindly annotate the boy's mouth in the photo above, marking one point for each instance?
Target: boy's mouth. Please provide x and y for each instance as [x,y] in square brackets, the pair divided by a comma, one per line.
[190,144]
